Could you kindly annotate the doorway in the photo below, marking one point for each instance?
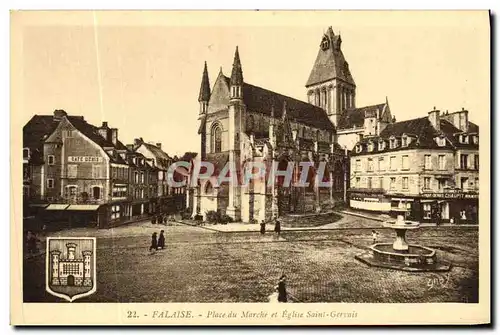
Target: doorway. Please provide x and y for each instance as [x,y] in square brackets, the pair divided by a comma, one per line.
[71,280]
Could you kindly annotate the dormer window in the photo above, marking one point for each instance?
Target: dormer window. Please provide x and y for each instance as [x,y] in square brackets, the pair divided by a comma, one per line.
[381,145]
[358,148]
[464,139]
[370,146]
[393,143]
[404,141]
[441,141]
[475,139]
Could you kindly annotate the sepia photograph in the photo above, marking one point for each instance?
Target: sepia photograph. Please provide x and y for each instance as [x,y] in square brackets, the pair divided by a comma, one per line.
[251,157]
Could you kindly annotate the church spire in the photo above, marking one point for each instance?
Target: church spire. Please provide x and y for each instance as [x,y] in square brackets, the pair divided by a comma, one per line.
[237,73]
[205,86]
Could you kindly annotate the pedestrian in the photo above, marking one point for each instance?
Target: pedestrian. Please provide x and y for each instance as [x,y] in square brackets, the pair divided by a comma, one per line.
[161,240]
[160,218]
[374,236]
[153,219]
[263,227]
[277,227]
[282,294]
[154,242]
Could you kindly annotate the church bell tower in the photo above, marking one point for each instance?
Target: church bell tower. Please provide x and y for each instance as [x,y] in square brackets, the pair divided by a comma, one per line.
[330,84]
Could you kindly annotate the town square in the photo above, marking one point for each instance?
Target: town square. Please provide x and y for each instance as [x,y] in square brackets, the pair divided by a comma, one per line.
[199,166]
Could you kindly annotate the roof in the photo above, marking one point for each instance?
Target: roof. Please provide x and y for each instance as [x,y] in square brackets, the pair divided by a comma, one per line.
[356,116]
[330,63]
[205,86]
[424,133]
[260,100]
[162,158]
[39,126]
[237,72]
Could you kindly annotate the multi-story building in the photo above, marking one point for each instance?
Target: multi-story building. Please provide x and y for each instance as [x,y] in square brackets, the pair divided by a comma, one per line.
[429,166]
[81,174]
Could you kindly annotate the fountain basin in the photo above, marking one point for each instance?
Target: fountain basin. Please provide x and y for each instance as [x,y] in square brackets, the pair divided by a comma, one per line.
[416,258]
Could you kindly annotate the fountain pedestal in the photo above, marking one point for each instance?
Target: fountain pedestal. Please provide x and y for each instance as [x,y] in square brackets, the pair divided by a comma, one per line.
[400,255]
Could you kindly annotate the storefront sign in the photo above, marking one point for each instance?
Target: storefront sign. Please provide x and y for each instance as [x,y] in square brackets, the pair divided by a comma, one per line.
[84,159]
[451,195]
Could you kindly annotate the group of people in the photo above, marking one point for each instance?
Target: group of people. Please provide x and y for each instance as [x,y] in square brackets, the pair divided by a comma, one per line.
[157,242]
[162,218]
[277,227]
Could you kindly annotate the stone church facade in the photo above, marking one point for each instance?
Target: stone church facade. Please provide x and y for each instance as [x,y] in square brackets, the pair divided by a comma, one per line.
[242,123]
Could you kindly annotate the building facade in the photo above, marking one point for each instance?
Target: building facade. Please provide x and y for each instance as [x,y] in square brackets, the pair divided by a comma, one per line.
[428,166]
[78,174]
[241,123]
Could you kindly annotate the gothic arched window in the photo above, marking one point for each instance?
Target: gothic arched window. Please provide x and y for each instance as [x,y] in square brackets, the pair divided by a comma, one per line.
[216,138]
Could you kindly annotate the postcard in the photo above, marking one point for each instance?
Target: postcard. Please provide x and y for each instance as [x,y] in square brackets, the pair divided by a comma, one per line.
[250,167]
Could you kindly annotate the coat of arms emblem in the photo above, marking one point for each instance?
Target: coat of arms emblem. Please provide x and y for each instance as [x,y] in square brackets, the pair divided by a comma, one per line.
[70,267]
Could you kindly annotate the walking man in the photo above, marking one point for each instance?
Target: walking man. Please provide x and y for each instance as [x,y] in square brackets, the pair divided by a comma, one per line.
[374,236]
[263,227]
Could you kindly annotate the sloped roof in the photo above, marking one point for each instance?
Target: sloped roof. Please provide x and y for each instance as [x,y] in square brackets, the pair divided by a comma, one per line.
[356,116]
[260,100]
[422,129]
[39,126]
[330,63]
[162,158]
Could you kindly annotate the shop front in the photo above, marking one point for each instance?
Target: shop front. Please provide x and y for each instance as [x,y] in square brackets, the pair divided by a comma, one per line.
[372,200]
[455,207]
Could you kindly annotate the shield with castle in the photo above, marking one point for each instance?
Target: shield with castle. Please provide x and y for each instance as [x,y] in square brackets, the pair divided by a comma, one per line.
[70,267]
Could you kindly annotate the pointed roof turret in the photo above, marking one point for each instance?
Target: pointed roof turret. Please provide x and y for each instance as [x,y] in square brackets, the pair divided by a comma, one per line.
[205,86]
[237,73]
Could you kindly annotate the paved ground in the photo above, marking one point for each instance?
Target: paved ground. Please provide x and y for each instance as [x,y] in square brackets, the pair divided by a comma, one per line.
[201,265]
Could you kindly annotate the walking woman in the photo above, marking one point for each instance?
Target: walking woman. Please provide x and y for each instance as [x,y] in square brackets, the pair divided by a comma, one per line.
[277,227]
[161,240]
[154,242]
[282,294]
[263,227]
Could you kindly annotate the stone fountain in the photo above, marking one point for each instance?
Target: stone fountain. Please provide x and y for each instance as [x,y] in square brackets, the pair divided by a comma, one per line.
[400,255]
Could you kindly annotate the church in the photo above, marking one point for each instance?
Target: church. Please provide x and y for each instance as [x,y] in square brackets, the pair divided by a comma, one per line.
[241,123]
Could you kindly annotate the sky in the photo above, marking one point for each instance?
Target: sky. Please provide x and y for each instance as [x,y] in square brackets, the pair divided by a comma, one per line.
[141,72]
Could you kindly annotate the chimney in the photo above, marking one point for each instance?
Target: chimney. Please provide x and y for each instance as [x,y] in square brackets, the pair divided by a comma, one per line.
[103,130]
[114,135]
[434,118]
[462,120]
[158,145]
[59,114]
[137,142]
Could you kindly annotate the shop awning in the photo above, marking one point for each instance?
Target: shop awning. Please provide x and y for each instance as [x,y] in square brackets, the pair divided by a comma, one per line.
[83,207]
[57,207]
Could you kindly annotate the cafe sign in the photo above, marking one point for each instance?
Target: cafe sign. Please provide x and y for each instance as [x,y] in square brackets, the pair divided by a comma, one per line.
[454,195]
[85,159]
